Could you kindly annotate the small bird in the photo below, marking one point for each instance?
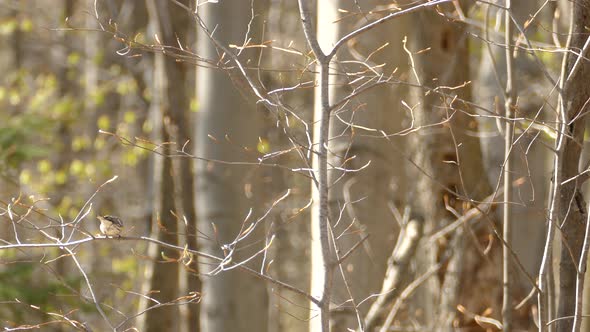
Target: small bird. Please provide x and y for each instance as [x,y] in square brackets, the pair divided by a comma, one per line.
[110,225]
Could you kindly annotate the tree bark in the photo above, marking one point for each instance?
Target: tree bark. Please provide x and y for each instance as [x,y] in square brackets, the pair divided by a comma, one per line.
[162,278]
[174,24]
[225,123]
[449,167]
[290,252]
[571,204]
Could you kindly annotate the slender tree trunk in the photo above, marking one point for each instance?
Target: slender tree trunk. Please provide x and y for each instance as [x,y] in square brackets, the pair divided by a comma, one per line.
[162,278]
[571,205]
[163,284]
[509,108]
[290,250]
[321,259]
[359,202]
[67,87]
[225,123]
[173,29]
[529,162]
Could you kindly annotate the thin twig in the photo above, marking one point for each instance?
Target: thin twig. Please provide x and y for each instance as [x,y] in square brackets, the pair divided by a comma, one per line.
[508,175]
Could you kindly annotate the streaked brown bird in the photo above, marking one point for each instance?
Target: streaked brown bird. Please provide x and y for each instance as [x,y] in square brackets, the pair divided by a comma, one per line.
[110,225]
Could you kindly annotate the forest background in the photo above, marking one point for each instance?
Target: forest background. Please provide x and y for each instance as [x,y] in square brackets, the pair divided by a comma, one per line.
[299,165]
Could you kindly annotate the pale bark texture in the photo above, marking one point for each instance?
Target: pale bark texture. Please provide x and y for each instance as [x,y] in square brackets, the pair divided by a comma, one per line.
[226,123]
[359,201]
[322,271]
[571,204]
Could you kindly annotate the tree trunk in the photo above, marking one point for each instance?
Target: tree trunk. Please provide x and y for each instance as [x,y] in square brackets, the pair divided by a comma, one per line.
[226,122]
[449,167]
[161,277]
[359,201]
[174,26]
[290,250]
[571,204]
[67,88]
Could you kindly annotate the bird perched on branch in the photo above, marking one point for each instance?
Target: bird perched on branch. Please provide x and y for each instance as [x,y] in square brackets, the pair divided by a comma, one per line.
[110,225]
